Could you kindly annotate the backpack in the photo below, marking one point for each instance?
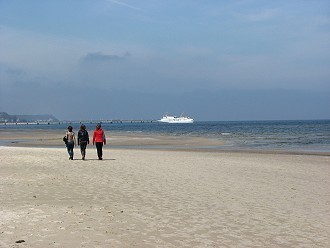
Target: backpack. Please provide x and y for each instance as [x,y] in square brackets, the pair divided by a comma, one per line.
[65,139]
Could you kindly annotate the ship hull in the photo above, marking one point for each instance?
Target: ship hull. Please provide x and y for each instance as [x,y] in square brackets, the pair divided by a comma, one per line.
[174,119]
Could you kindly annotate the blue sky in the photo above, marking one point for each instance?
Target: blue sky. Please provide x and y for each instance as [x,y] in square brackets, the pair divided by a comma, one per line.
[214,60]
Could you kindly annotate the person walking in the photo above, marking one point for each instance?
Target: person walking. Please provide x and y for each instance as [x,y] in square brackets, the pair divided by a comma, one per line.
[83,140]
[71,141]
[99,140]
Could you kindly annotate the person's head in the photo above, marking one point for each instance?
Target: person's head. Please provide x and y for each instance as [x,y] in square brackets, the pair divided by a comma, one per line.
[70,128]
[82,127]
[98,126]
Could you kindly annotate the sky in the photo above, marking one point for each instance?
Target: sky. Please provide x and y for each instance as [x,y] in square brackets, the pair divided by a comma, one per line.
[137,59]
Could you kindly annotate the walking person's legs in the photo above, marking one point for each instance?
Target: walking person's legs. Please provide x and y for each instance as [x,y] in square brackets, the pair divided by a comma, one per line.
[69,147]
[99,146]
[83,145]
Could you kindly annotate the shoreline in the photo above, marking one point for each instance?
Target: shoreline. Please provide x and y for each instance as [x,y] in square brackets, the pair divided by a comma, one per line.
[138,141]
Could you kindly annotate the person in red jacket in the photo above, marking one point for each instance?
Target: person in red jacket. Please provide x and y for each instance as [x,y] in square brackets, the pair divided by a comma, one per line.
[99,140]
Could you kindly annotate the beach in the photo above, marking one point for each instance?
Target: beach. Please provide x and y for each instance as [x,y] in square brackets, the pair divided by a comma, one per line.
[161,198]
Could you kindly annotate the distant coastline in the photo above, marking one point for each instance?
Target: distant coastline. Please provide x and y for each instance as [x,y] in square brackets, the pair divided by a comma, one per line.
[9,118]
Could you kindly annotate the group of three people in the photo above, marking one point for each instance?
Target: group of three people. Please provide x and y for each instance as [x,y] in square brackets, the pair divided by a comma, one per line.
[83,139]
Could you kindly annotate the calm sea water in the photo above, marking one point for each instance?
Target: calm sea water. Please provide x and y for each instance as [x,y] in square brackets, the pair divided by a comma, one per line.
[310,135]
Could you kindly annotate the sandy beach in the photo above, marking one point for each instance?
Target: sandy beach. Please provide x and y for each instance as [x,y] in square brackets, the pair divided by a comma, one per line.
[159,198]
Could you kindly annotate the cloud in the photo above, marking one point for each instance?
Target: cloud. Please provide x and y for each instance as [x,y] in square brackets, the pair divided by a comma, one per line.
[124,4]
[14,72]
[101,57]
[264,15]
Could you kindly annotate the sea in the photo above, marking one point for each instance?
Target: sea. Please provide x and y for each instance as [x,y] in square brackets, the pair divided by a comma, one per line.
[291,135]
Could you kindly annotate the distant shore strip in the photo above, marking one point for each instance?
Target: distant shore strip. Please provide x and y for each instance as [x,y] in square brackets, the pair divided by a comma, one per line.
[75,122]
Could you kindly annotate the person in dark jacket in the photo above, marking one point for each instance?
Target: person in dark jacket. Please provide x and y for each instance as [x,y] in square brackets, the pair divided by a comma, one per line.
[99,140]
[83,140]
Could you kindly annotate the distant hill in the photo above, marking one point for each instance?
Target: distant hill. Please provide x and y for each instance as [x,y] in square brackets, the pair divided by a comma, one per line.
[5,117]
[24,118]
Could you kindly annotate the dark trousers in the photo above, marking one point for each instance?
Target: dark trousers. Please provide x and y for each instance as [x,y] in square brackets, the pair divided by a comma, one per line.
[99,146]
[83,145]
[69,147]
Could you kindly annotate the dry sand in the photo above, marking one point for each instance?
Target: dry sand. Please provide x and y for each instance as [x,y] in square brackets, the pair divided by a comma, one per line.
[141,198]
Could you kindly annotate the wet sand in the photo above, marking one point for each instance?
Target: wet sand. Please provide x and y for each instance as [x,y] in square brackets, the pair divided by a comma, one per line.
[161,198]
[53,138]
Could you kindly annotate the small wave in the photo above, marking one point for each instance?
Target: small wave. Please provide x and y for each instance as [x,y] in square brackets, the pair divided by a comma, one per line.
[226,134]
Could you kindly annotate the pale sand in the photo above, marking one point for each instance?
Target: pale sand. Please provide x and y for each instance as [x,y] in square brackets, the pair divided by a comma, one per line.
[141,198]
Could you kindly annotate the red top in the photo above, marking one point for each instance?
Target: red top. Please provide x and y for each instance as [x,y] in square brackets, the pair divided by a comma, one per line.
[98,136]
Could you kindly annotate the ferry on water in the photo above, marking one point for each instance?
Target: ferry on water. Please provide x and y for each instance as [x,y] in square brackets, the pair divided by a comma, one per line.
[174,119]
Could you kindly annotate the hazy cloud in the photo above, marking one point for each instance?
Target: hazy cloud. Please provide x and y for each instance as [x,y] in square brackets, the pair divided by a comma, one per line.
[14,72]
[264,15]
[121,3]
[101,57]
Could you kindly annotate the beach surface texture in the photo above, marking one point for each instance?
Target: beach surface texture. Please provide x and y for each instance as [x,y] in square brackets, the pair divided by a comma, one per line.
[162,198]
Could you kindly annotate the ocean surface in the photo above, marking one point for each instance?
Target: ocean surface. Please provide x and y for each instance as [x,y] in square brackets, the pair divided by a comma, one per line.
[305,136]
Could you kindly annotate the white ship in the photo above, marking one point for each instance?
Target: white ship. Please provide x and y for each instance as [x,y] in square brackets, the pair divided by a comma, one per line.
[174,119]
